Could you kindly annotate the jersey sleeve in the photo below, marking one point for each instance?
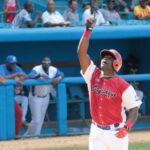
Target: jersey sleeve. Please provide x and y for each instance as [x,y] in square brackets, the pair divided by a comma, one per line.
[58,73]
[88,73]
[33,74]
[130,98]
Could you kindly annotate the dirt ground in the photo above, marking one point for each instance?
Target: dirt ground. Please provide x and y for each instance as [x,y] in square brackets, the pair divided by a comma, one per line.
[68,141]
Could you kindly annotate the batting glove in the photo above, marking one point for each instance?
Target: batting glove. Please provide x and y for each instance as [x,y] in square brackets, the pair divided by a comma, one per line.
[122,132]
[90,23]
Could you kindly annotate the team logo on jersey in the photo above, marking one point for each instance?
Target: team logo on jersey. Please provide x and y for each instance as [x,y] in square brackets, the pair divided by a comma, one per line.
[105,91]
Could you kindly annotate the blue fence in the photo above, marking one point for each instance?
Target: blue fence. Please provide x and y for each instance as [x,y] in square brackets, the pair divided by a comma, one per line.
[7,120]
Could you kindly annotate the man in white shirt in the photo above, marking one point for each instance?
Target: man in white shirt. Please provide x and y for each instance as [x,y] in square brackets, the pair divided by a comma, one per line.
[23,18]
[51,17]
[89,13]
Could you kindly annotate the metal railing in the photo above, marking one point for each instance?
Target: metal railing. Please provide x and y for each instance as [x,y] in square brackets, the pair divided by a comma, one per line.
[7,120]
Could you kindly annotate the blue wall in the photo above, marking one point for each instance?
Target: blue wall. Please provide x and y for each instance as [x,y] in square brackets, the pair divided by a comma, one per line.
[60,44]
[58,51]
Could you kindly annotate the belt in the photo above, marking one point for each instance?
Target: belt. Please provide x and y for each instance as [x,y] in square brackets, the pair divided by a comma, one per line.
[106,127]
[41,96]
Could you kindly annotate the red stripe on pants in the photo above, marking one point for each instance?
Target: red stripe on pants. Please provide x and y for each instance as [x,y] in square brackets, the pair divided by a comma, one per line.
[18,117]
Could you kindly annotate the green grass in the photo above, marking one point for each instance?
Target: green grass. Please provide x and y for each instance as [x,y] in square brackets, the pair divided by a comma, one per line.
[140,146]
[136,146]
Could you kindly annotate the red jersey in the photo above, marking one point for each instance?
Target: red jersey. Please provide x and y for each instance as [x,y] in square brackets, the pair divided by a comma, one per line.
[108,97]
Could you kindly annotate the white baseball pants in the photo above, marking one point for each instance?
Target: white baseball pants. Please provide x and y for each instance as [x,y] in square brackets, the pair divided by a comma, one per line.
[38,107]
[100,139]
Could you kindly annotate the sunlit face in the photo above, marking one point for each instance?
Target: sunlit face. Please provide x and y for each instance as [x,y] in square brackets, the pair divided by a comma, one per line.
[51,6]
[106,63]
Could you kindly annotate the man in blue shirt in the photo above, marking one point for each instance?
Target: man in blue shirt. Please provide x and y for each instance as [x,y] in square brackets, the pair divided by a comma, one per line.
[10,70]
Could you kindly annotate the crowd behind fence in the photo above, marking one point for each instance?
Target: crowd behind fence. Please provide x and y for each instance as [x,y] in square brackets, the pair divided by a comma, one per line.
[123,8]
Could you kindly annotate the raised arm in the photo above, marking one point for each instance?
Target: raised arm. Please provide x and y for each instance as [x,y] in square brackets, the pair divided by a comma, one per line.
[84,59]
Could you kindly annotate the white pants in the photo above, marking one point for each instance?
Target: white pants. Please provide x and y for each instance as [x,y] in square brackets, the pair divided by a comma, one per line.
[23,100]
[100,139]
[38,107]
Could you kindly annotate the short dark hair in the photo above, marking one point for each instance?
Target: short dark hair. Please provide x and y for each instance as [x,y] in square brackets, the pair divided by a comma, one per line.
[111,1]
[70,2]
[27,4]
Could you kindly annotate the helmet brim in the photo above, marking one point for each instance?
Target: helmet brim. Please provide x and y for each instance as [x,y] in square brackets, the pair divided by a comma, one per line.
[106,52]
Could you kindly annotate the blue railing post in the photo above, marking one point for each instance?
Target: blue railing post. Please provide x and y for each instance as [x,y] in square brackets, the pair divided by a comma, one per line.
[62,108]
[7,113]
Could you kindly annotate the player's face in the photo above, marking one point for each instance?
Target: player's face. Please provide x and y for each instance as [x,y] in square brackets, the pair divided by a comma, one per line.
[46,66]
[11,67]
[106,63]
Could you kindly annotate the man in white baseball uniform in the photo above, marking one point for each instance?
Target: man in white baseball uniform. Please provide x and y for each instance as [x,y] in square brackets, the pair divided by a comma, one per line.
[109,95]
[39,97]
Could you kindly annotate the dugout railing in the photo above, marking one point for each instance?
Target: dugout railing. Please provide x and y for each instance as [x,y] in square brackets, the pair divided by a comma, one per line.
[7,120]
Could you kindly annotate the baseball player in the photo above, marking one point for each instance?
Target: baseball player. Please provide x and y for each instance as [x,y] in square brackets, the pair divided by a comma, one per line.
[10,70]
[109,96]
[39,99]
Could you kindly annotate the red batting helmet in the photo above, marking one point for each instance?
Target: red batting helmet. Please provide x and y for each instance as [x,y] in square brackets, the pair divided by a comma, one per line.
[117,63]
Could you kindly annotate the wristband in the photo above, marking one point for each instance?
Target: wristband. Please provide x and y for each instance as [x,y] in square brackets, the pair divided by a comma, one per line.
[129,123]
[87,33]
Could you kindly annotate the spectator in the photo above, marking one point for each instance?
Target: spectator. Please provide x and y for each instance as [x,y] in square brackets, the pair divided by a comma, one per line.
[110,14]
[71,13]
[86,5]
[89,13]
[134,3]
[11,71]
[123,6]
[39,96]
[10,7]
[142,11]
[52,18]
[23,18]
